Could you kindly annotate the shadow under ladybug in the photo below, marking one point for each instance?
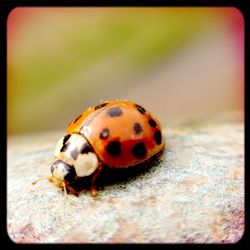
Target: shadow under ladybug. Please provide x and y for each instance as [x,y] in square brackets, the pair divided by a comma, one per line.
[110,176]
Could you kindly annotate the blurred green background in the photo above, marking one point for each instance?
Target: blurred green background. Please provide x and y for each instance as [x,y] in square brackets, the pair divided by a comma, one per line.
[176,62]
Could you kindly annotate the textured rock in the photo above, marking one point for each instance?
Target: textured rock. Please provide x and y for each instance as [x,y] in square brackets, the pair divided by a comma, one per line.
[194,192]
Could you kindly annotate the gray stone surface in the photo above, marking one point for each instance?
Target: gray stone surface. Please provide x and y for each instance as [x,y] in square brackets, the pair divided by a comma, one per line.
[193,193]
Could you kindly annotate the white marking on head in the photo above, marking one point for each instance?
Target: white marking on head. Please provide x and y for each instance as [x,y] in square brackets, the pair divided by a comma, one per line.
[58,147]
[74,143]
[86,164]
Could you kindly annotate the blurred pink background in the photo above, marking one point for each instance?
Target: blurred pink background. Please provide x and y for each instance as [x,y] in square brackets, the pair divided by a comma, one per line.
[177,62]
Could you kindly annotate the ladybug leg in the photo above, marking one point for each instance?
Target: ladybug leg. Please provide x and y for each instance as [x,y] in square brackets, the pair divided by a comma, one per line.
[94,178]
[66,187]
[65,190]
[71,189]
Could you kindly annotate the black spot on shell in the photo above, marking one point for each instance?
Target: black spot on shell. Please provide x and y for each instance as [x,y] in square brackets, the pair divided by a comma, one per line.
[137,128]
[139,150]
[64,147]
[66,138]
[74,153]
[114,148]
[141,109]
[105,133]
[85,148]
[112,112]
[77,118]
[101,105]
[157,137]
[152,123]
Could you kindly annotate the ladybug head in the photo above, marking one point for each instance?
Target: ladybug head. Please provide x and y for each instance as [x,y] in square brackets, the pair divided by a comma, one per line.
[75,158]
[62,171]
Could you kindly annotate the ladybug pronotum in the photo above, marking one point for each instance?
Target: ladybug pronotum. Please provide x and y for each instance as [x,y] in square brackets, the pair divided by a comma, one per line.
[118,134]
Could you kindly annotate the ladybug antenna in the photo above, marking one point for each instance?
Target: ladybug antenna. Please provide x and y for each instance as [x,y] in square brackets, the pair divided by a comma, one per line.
[50,178]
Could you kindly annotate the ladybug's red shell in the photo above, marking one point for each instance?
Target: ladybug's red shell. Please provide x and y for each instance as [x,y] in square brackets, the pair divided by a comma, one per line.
[121,133]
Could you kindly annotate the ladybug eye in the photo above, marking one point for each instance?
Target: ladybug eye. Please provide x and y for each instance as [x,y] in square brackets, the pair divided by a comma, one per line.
[70,176]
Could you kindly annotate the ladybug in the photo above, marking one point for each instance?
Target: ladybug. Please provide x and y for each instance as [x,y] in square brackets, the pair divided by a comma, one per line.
[118,134]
